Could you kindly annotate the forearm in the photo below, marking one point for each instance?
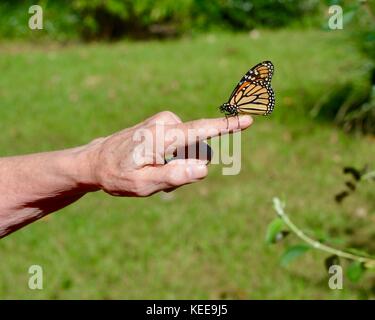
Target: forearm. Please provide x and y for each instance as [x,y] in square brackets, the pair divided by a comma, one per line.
[35,185]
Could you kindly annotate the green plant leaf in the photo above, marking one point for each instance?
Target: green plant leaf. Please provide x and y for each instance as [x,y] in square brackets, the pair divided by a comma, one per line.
[355,271]
[293,252]
[273,230]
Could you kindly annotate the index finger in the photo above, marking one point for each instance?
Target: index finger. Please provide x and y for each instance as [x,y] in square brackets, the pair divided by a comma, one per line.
[208,128]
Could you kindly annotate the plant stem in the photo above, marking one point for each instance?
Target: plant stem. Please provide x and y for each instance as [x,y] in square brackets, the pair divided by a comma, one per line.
[279,208]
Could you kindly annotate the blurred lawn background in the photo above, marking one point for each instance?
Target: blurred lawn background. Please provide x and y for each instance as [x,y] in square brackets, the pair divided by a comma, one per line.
[59,90]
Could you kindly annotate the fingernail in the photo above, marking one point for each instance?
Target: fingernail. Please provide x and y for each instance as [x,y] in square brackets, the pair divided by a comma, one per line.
[196,171]
[245,121]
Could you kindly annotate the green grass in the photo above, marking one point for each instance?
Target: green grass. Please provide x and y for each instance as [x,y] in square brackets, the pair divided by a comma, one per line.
[207,241]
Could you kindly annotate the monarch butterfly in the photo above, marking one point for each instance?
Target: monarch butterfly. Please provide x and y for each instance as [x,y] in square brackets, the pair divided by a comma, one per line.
[253,94]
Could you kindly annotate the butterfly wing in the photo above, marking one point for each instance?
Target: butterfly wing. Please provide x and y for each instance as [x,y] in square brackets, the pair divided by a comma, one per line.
[253,94]
[262,73]
[255,99]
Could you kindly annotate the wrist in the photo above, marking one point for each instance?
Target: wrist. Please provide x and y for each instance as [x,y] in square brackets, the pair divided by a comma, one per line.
[84,162]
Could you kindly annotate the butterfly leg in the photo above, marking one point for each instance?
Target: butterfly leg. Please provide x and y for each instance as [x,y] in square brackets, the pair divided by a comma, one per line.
[238,121]
[226,117]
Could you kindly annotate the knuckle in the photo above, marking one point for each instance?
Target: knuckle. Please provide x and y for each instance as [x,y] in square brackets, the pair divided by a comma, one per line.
[168,116]
[137,187]
[174,179]
[142,193]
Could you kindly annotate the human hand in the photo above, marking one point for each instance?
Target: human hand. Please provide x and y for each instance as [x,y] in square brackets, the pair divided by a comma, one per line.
[123,165]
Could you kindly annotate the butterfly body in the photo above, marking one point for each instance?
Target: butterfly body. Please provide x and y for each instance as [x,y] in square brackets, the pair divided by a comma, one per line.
[229,109]
[253,94]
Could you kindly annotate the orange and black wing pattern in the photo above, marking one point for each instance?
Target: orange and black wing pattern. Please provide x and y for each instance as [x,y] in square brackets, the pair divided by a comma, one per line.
[254,94]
